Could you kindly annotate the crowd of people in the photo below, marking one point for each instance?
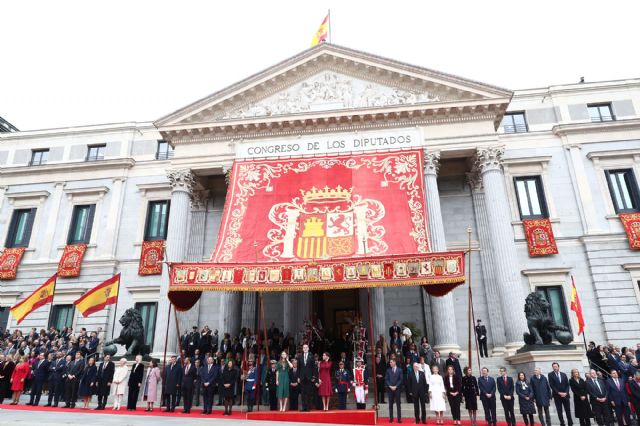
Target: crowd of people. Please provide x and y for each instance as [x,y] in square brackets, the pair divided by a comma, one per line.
[304,373]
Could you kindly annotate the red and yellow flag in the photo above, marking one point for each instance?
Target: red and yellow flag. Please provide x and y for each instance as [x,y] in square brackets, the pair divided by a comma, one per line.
[323,32]
[576,306]
[40,297]
[98,297]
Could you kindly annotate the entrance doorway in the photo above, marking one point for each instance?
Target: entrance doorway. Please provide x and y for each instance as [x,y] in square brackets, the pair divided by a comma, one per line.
[336,310]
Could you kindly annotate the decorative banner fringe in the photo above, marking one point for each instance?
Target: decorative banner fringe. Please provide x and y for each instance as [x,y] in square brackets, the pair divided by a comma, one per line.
[9,262]
[540,237]
[71,260]
[631,223]
[151,256]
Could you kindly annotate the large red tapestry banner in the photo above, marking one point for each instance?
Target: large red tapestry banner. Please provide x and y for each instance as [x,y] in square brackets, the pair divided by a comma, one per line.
[9,262]
[69,265]
[375,271]
[335,207]
[151,256]
[540,237]
[631,223]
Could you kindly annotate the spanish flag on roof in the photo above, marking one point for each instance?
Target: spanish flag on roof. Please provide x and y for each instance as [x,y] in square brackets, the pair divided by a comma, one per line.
[40,297]
[323,32]
[98,297]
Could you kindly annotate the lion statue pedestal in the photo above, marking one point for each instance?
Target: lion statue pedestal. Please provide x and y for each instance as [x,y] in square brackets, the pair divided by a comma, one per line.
[131,337]
[539,349]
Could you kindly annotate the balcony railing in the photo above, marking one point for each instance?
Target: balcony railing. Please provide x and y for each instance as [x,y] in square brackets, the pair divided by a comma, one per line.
[516,128]
[164,155]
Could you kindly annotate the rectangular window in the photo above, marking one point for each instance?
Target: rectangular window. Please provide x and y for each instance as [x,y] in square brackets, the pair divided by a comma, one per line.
[61,316]
[96,152]
[20,228]
[148,312]
[531,201]
[157,220]
[164,151]
[515,122]
[81,223]
[600,112]
[39,157]
[624,190]
[4,318]
[555,297]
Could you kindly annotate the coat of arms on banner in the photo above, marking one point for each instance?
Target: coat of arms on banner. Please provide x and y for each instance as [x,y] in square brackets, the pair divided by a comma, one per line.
[326,223]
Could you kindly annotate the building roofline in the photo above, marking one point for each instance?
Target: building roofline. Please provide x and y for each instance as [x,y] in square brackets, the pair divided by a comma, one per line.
[84,129]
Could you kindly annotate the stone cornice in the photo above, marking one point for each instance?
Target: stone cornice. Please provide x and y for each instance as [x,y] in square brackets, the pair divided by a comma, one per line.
[613,153]
[82,130]
[546,271]
[70,167]
[589,127]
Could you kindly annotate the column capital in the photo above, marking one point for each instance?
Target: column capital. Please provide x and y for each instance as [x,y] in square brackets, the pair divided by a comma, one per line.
[474,180]
[489,158]
[199,200]
[431,163]
[181,180]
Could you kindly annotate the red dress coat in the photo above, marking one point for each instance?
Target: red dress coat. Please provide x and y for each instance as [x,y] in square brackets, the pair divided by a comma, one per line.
[324,374]
[20,374]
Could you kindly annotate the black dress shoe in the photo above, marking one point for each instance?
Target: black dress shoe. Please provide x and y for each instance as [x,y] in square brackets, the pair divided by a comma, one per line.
[47,405]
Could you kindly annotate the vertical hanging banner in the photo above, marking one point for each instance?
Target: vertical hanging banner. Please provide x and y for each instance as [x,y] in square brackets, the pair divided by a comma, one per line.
[631,223]
[9,262]
[69,265]
[151,256]
[540,237]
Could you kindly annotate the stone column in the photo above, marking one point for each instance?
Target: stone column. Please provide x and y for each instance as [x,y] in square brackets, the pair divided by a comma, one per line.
[487,260]
[182,182]
[378,315]
[113,219]
[52,217]
[249,300]
[511,297]
[585,191]
[230,312]
[442,309]
[291,323]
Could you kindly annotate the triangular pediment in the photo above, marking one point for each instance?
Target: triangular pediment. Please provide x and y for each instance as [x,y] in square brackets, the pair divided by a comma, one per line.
[330,78]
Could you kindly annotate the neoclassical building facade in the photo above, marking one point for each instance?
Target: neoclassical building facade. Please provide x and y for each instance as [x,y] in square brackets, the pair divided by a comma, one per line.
[493,158]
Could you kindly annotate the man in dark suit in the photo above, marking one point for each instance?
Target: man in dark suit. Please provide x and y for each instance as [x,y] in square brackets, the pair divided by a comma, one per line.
[56,382]
[40,371]
[135,382]
[506,390]
[395,328]
[104,379]
[487,388]
[208,377]
[597,389]
[193,341]
[393,382]
[634,389]
[559,384]
[294,386]
[455,363]
[442,365]
[381,369]
[73,376]
[417,384]
[306,377]
[619,398]
[188,380]
[172,382]
[542,395]
[481,334]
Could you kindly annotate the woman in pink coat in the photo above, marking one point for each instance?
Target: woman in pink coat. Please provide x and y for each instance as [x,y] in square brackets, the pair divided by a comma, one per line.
[20,374]
[151,385]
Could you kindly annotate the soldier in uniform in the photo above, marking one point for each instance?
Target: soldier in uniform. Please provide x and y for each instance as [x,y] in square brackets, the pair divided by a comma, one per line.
[250,386]
[342,385]
[360,384]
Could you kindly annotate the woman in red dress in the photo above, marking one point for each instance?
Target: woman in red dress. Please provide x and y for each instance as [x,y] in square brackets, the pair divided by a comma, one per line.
[18,377]
[324,380]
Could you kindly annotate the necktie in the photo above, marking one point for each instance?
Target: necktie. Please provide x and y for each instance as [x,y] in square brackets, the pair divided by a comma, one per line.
[305,359]
[617,384]
[559,378]
[417,376]
[209,370]
[505,380]
[598,385]
[186,370]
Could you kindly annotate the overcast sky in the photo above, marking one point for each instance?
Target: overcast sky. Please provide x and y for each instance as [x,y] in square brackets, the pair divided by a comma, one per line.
[66,63]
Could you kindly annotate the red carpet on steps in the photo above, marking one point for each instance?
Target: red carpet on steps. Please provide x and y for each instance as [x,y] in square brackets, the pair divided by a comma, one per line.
[354,417]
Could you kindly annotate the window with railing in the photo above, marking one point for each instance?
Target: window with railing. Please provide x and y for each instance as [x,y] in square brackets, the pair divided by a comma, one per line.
[96,152]
[39,157]
[600,112]
[624,190]
[515,122]
[164,151]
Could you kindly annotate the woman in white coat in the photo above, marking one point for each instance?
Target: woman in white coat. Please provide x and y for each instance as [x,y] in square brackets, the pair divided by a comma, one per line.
[437,394]
[119,383]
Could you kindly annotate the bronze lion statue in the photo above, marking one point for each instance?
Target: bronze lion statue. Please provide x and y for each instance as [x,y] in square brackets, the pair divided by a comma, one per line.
[131,335]
[542,327]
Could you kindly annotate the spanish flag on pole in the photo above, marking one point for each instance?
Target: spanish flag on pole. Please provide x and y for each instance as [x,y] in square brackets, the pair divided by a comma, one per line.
[576,306]
[98,297]
[323,32]
[40,297]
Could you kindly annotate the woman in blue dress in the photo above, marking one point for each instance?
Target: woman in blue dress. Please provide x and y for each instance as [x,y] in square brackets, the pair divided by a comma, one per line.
[88,382]
[526,399]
